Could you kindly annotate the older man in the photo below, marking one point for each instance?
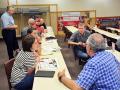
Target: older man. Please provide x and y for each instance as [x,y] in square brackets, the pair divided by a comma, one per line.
[9,31]
[118,45]
[101,72]
[31,22]
[78,39]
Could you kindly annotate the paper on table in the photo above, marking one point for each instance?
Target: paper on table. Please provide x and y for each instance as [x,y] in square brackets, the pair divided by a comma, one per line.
[48,64]
[50,47]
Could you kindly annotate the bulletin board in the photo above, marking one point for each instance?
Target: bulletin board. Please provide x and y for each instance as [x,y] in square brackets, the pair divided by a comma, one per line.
[72,18]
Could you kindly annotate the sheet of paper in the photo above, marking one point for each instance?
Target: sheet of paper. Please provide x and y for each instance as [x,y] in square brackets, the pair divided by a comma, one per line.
[48,64]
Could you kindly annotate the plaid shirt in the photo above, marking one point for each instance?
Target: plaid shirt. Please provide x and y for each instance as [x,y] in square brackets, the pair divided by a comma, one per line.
[101,72]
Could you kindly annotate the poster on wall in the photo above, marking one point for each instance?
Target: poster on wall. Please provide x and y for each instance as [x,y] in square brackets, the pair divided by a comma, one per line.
[70,18]
[71,14]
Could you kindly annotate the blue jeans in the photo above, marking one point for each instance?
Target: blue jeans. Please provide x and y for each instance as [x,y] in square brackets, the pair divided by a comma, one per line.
[10,39]
[26,83]
[80,53]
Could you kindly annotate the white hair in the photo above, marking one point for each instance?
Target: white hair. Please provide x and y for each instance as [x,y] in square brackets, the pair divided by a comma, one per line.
[31,20]
[96,42]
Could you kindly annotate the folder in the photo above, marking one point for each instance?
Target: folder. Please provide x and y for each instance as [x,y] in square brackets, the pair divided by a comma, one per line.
[48,74]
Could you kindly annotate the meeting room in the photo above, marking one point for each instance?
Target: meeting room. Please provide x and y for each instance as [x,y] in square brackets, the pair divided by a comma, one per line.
[59,45]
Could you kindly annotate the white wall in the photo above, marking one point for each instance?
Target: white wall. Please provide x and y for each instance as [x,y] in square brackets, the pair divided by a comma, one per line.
[103,7]
[3,3]
[12,2]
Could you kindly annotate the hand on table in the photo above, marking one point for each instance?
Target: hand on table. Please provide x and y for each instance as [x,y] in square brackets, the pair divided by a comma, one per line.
[61,74]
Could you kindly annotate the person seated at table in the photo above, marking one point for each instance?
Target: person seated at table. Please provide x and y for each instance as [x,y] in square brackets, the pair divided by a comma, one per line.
[42,23]
[31,22]
[23,70]
[101,72]
[118,45]
[119,24]
[39,28]
[116,25]
[87,24]
[78,39]
[34,33]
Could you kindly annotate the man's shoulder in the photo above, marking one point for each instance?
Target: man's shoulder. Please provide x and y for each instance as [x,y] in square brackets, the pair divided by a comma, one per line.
[101,58]
[4,14]
[87,31]
[77,32]
[25,28]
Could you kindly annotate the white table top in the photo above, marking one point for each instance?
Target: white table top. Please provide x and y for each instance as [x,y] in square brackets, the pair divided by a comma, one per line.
[72,28]
[113,29]
[41,83]
[108,34]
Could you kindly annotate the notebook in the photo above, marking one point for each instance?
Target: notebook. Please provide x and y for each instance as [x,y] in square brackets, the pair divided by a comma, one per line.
[48,74]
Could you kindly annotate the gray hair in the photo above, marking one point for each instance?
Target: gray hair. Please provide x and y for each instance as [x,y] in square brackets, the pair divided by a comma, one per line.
[96,42]
[30,21]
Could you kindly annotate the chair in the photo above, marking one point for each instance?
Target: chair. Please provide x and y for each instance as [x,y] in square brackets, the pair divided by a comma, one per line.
[67,33]
[8,68]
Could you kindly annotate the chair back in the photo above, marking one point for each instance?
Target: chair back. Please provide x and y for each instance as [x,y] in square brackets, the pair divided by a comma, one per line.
[8,69]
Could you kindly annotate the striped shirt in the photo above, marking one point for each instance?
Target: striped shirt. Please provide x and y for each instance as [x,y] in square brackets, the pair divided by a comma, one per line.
[101,72]
[23,61]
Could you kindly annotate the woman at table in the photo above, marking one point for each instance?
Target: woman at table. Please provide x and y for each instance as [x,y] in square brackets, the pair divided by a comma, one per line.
[34,33]
[22,75]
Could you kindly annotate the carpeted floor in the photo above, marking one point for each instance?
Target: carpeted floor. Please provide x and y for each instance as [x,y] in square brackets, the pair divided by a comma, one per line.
[73,66]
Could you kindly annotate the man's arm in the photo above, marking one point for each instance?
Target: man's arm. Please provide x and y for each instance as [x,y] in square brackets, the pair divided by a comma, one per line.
[77,43]
[68,82]
[72,40]
[11,27]
[74,43]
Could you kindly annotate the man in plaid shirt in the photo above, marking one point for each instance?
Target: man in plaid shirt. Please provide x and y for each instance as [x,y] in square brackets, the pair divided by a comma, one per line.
[101,72]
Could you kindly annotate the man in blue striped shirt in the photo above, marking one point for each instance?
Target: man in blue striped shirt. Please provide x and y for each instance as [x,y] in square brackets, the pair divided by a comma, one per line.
[101,72]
